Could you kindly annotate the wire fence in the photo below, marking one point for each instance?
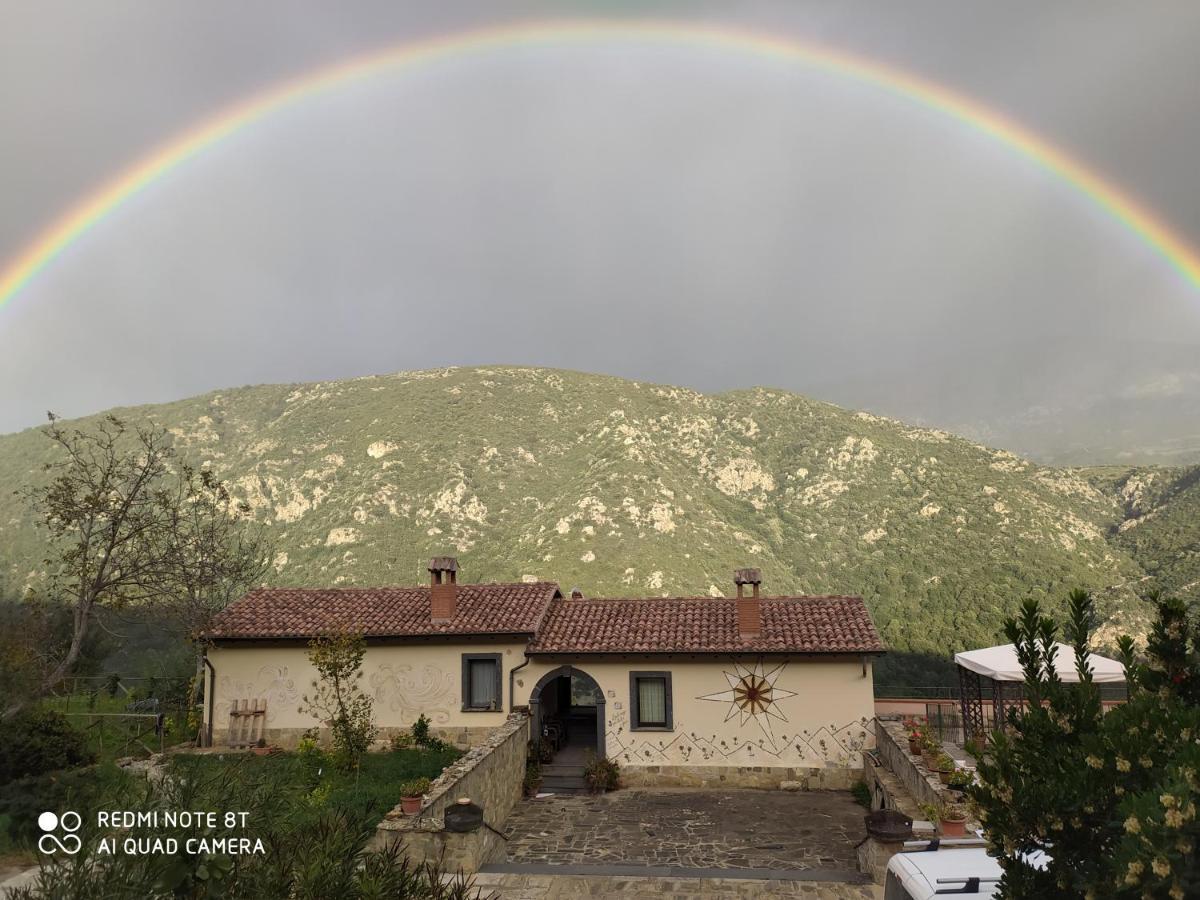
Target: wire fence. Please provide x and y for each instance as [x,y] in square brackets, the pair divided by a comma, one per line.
[128,716]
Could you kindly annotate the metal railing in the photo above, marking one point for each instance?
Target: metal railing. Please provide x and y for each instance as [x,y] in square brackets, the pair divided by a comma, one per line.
[918,692]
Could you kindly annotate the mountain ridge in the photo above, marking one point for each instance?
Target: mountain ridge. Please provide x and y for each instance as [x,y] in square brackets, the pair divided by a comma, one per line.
[632,488]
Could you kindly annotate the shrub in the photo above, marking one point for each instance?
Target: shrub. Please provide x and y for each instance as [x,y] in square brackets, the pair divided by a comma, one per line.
[1111,798]
[40,740]
[337,699]
[423,739]
[402,740]
[420,730]
[312,759]
[23,800]
[602,774]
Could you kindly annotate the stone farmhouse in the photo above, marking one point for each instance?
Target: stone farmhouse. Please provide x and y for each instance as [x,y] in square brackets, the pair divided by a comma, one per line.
[746,691]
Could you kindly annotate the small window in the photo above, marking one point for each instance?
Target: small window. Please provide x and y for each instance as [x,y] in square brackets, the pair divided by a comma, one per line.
[481,682]
[650,701]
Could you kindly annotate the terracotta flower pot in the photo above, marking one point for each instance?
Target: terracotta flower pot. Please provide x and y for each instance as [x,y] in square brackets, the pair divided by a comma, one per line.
[914,747]
[952,827]
[944,775]
[411,805]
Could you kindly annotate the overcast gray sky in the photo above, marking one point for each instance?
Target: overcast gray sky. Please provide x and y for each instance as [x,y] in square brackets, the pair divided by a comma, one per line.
[672,213]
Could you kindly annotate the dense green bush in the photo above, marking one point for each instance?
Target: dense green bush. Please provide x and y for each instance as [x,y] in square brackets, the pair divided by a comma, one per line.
[23,800]
[40,740]
[1111,799]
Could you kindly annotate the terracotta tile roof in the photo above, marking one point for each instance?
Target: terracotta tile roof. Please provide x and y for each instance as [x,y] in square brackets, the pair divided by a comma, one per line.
[383,612]
[707,625]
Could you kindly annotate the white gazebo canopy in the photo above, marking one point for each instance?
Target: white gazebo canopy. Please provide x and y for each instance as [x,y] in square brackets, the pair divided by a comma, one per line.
[1001,664]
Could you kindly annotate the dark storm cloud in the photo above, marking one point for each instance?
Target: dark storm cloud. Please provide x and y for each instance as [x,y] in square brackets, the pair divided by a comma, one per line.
[607,208]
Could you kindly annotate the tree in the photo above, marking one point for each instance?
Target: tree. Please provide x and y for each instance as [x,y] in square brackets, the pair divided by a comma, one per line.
[211,554]
[1111,799]
[124,528]
[35,634]
[337,700]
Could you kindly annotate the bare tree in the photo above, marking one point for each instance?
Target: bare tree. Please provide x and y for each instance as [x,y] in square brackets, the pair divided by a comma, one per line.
[124,528]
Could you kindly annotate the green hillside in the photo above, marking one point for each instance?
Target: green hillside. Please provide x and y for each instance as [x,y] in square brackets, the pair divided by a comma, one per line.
[1161,529]
[627,488]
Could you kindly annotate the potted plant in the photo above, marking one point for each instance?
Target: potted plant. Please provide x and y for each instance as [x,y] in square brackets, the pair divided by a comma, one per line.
[952,820]
[929,757]
[930,752]
[916,739]
[412,793]
[929,813]
[533,777]
[601,774]
[945,767]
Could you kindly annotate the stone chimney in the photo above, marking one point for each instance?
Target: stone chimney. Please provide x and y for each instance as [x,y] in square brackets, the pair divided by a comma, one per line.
[443,588]
[749,609]
[576,594]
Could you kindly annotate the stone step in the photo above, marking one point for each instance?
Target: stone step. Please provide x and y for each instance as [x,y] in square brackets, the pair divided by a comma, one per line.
[568,771]
[563,783]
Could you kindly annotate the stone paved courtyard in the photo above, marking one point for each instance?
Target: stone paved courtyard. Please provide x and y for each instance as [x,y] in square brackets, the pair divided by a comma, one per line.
[691,829]
[568,887]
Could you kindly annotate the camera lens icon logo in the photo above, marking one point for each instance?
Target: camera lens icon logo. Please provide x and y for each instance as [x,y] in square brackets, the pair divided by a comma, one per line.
[50,842]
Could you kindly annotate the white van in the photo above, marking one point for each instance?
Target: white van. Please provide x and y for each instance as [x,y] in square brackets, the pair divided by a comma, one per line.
[950,867]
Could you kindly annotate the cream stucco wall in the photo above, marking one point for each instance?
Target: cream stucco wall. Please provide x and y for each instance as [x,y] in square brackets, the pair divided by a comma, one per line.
[404,681]
[820,712]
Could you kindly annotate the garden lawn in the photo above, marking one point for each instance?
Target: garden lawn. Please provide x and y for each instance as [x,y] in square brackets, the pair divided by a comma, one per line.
[313,783]
[296,787]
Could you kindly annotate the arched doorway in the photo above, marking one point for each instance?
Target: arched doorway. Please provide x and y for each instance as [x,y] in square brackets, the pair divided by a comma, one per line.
[572,699]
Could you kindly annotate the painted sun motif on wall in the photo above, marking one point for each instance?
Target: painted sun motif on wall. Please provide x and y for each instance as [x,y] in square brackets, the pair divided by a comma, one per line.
[753,694]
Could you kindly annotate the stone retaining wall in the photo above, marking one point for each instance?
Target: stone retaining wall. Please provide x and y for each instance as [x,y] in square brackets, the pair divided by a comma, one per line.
[491,774]
[891,743]
[900,782]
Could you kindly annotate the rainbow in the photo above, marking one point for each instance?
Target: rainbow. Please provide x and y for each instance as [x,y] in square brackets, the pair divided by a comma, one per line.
[1118,205]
